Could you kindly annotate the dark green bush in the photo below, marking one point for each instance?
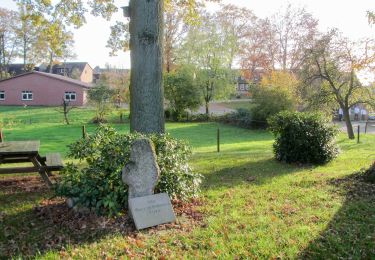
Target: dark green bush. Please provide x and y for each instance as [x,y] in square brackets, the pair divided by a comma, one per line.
[98,185]
[199,118]
[303,138]
[241,118]
[369,174]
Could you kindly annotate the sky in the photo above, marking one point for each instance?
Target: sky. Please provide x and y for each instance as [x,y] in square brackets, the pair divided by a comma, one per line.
[349,16]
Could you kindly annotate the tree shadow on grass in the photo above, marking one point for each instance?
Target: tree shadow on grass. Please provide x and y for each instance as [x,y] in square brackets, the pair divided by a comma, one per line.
[256,172]
[351,232]
[32,222]
[28,230]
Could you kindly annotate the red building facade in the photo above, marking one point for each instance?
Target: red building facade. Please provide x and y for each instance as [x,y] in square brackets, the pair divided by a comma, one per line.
[42,89]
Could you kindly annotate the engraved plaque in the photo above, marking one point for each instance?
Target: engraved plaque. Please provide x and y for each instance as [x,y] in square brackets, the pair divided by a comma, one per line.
[152,210]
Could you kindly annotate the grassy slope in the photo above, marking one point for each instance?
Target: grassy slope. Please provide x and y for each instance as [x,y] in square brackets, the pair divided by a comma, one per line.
[253,205]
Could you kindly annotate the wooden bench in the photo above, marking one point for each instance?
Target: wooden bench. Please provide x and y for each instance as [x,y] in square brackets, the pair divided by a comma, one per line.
[54,162]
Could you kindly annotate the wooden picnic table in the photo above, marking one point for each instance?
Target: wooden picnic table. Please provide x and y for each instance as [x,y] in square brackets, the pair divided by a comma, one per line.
[13,152]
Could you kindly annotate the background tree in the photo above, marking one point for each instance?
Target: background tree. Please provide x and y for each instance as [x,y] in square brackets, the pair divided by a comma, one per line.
[333,65]
[181,91]
[56,42]
[174,30]
[118,80]
[234,24]
[282,80]
[9,42]
[276,92]
[100,96]
[258,49]
[295,28]
[205,48]
[371,17]
[65,108]
[29,33]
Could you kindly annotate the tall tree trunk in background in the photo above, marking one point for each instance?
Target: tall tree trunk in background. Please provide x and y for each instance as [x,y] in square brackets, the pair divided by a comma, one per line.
[50,62]
[348,123]
[2,55]
[146,82]
[24,51]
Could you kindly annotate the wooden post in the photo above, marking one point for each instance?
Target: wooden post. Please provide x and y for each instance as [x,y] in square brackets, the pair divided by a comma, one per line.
[1,135]
[366,127]
[359,127]
[84,134]
[218,140]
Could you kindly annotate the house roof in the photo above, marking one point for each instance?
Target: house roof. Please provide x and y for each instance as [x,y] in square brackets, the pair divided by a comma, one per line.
[70,66]
[98,70]
[18,68]
[53,76]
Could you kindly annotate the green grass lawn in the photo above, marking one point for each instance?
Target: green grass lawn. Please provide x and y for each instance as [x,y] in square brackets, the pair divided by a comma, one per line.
[252,205]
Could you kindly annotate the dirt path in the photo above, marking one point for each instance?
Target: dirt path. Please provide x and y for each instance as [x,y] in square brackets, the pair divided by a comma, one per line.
[215,109]
[362,126]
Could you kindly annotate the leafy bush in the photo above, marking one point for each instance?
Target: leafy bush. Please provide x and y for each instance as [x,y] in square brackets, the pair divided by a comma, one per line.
[99,96]
[98,185]
[181,91]
[303,138]
[199,118]
[369,174]
[241,118]
[269,102]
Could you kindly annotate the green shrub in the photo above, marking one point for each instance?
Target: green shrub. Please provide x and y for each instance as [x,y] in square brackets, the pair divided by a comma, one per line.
[199,118]
[268,102]
[303,138]
[242,118]
[98,185]
[369,174]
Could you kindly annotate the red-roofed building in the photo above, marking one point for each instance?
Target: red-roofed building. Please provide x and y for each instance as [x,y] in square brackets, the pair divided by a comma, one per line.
[42,89]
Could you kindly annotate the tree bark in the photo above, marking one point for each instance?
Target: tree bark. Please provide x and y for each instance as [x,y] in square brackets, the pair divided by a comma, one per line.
[349,127]
[146,82]
[24,52]
[50,62]
[207,109]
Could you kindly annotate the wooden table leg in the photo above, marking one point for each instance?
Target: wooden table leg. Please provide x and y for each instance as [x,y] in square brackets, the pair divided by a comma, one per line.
[42,171]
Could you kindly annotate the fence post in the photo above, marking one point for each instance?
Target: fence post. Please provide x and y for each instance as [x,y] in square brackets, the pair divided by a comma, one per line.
[84,134]
[218,140]
[366,127]
[359,127]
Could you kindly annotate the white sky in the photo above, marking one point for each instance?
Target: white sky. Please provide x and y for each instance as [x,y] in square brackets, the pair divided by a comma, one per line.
[347,15]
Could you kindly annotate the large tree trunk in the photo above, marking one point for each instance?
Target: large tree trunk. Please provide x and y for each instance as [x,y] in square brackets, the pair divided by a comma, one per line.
[146,85]
[349,127]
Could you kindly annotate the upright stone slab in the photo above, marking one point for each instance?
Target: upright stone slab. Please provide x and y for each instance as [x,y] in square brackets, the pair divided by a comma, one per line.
[152,210]
[142,172]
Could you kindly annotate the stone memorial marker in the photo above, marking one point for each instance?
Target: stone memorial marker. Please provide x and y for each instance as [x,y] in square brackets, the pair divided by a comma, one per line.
[151,210]
[141,174]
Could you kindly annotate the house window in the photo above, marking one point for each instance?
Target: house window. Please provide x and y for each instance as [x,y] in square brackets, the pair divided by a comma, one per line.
[61,70]
[70,96]
[27,95]
[2,95]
